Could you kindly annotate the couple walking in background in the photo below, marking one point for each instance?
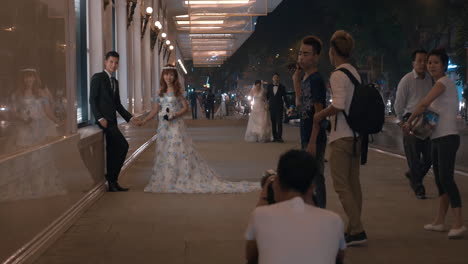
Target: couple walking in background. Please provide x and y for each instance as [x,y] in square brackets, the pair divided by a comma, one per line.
[178,167]
[266,117]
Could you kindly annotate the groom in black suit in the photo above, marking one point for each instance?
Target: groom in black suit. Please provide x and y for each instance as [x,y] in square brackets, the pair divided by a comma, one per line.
[276,96]
[105,101]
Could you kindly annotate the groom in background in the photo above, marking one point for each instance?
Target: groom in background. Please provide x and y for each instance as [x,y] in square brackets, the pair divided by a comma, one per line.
[276,96]
[105,101]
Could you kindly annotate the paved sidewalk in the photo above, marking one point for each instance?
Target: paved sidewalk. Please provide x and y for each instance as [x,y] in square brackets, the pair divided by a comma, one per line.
[138,227]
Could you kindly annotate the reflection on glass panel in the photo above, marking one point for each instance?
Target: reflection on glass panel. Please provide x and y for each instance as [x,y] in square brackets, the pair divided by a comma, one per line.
[32,74]
[36,186]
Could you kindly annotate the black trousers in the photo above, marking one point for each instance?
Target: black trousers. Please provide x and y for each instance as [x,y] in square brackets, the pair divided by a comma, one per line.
[320,192]
[444,152]
[210,111]
[116,152]
[276,115]
[194,111]
[418,157]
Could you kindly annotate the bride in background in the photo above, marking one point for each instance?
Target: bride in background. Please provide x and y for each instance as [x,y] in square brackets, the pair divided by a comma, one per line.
[259,126]
[178,167]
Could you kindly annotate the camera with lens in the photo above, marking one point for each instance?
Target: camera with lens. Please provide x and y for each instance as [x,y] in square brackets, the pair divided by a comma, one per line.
[270,194]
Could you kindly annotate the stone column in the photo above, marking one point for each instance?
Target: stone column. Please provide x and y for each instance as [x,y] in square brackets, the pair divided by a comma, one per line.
[122,49]
[95,33]
[137,61]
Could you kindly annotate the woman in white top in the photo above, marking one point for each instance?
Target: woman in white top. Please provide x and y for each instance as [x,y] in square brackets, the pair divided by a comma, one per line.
[344,160]
[443,99]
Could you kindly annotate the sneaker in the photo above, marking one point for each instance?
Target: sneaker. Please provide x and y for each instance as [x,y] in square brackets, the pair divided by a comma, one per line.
[436,228]
[408,175]
[357,239]
[456,233]
[420,192]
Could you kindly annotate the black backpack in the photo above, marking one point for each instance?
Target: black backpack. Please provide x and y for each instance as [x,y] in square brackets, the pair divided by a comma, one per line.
[366,113]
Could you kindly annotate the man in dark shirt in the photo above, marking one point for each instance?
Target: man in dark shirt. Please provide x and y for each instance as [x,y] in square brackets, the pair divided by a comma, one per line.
[311,98]
[193,104]
[210,100]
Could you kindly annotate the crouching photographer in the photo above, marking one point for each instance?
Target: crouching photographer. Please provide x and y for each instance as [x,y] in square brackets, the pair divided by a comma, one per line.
[293,230]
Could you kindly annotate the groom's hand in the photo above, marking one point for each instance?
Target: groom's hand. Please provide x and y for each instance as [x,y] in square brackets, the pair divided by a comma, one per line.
[135,121]
[103,122]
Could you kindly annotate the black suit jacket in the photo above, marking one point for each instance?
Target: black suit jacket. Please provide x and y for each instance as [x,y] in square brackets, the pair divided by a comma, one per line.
[210,98]
[104,102]
[276,101]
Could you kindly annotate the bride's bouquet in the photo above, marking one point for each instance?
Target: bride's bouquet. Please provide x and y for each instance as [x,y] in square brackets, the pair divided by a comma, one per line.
[168,116]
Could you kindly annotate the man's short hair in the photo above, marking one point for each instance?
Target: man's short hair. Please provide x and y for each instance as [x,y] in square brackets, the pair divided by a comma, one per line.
[313,41]
[112,53]
[277,74]
[258,82]
[296,170]
[442,54]
[416,52]
[343,43]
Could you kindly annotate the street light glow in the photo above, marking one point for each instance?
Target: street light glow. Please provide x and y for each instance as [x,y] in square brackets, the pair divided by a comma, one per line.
[158,24]
[149,10]
[182,66]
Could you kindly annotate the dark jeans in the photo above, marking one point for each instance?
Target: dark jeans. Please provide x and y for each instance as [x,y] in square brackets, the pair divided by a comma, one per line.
[276,115]
[418,157]
[444,152]
[194,110]
[116,152]
[319,180]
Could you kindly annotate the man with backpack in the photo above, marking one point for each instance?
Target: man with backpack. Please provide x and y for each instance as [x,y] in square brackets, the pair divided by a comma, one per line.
[413,87]
[356,110]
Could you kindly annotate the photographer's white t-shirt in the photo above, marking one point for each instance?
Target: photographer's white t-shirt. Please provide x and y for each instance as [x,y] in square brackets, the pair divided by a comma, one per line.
[295,232]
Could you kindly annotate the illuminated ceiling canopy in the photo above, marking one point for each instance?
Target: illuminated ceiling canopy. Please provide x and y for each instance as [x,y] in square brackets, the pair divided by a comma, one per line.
[210,31]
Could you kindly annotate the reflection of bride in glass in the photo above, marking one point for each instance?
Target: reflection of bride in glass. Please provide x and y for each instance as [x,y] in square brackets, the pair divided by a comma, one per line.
[33,106]
[35,124]
[178,167]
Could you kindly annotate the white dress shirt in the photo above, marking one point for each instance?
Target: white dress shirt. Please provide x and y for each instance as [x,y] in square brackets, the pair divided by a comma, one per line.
[410,91]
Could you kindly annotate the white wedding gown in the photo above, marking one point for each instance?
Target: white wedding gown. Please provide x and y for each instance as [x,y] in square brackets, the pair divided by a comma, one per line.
[259,125]
[178,167]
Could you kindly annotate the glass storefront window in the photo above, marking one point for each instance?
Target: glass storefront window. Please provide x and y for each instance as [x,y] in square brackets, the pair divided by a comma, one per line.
[82,116]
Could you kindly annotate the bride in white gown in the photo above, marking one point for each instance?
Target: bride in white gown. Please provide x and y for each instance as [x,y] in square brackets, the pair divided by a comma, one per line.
[178,167]
[259,125]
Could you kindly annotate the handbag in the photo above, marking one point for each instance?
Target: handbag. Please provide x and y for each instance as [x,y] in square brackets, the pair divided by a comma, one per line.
[424,124]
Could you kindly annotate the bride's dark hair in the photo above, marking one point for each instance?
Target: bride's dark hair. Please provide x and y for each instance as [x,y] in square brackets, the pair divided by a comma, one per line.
[176,83]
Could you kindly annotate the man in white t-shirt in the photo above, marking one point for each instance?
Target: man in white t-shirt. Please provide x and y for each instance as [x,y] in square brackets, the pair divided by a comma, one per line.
[293,230]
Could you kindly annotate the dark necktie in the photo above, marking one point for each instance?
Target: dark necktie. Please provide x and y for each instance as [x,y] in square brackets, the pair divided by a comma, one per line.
[113,82]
